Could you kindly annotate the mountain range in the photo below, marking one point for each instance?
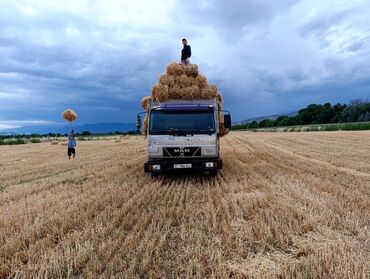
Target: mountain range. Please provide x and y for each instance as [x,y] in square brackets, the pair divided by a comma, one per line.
[63,128]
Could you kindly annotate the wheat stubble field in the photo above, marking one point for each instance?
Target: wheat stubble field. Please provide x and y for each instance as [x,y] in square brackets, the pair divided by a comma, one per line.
[286,205]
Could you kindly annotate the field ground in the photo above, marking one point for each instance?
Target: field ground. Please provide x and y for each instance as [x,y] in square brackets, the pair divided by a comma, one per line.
[286,205]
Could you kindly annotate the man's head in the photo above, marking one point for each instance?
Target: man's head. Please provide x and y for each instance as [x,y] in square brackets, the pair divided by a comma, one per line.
[184,42]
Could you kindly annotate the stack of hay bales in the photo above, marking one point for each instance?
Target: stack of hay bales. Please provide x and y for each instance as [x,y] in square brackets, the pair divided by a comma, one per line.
[183,82]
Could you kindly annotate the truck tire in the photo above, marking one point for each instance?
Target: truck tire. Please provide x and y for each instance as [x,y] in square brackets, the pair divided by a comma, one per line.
[213,173]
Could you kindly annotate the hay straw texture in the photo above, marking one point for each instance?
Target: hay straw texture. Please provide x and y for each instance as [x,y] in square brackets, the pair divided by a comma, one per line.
[201,81]
[183,82]
[69,115]
[192,70]
[166,80]
[175,69]
[145,102]
[160,92]
[146,124]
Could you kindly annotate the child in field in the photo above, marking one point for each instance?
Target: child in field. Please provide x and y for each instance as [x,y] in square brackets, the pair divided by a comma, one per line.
[71,145]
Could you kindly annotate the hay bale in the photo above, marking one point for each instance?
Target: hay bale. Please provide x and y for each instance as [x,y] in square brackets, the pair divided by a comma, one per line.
[145,102]
[183,80]
[219,105]
[175,69]
[69,115]
[201,81]
[192,81]
[192,70]
[219,97]
[166,80]
[145,124]
[160,92]
[209,92]
[174,92]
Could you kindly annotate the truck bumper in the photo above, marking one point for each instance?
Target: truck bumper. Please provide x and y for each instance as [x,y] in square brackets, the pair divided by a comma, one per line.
[173,165]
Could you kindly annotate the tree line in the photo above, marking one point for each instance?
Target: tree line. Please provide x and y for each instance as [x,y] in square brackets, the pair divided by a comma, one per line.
[356,111]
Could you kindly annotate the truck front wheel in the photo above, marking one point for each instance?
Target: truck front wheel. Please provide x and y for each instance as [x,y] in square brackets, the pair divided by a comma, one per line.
[213,173]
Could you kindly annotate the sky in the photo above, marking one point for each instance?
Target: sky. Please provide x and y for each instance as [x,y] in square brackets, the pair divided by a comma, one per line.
[101,57]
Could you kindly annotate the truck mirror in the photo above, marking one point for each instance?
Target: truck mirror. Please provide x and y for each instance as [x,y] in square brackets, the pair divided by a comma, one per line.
[138,123]
[227,120]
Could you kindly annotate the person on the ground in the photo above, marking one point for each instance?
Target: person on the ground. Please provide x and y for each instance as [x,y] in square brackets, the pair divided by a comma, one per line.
[186,52]
[71,145]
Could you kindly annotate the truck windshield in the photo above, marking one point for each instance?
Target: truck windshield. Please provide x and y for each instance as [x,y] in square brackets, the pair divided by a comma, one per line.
[177,122]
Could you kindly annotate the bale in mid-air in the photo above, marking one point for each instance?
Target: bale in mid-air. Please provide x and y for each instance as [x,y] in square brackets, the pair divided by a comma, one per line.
[69,115]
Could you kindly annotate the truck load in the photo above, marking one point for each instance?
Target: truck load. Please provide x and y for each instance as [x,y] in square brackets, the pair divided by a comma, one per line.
[183,122]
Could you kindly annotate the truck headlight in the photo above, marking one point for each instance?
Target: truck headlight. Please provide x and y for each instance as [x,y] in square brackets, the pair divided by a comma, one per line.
[210,150]
[153,149]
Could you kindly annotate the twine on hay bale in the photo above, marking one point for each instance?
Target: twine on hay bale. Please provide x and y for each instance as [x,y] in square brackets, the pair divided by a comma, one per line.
[175,69]
[160,92]
[145,102]
[166,80]
[69,115]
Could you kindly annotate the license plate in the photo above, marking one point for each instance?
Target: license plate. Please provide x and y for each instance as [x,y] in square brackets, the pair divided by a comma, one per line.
[182,166]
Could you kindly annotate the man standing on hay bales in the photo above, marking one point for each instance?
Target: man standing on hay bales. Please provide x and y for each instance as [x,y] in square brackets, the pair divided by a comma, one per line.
[186,52]
[71,145]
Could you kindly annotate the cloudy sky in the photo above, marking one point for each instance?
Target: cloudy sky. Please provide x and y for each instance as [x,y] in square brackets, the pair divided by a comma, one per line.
[101,57]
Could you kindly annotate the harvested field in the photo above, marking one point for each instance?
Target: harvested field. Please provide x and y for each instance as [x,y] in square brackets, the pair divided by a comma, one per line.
[286,205]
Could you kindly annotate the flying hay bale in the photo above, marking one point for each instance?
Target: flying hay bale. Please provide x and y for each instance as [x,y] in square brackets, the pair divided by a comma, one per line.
[160,92]
[201,81]
[166,80]
[69,115]
[175,69]
[145,102]
[192,70]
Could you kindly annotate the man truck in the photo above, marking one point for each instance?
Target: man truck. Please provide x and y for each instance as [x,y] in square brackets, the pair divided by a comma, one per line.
[184,135]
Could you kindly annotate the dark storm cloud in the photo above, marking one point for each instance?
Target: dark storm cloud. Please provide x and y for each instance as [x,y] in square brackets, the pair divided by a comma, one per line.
[101,57]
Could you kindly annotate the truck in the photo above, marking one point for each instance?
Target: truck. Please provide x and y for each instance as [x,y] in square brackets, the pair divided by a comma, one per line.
[183,135]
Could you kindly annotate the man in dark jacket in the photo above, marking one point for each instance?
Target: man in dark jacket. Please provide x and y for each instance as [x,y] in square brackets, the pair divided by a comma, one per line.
[186,52]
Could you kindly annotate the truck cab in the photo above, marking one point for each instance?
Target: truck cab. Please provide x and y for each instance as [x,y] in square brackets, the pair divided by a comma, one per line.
[184,135]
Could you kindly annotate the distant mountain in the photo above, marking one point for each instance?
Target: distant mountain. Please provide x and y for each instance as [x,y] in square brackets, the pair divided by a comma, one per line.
[260,118]
[64,128]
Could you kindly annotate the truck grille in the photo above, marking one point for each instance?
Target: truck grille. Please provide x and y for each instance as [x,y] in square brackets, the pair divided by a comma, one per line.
[181,151]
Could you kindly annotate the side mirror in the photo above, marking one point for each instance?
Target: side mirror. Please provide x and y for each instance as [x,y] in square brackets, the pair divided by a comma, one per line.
[138,123]
[227,120]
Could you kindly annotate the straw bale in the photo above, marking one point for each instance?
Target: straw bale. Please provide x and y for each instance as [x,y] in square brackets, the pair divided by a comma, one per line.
[145,102]
[209,92]
[219,97]
[160,92]
[69,115]
[166,80]
[184,81]
[219,105]
[174,92]
[175,69]
[201,81]
[192,70]
[145,124]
